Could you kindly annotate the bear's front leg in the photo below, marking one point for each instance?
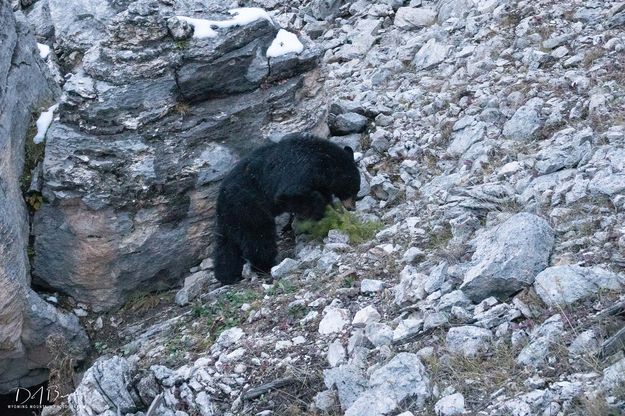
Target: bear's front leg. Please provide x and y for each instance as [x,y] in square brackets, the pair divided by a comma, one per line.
[228,261]
[259,246]
[317,205]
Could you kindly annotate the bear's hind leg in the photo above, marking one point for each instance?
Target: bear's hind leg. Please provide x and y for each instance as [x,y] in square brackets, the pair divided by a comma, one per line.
[260,249]
[228,261]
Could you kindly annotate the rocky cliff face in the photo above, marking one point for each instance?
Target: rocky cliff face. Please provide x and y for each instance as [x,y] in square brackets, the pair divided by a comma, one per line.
[25,319]
[151,118]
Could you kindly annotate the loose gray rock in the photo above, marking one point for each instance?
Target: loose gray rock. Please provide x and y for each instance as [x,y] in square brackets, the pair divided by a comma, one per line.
[366,315]
[541,341]
[379,334]
[430,55]
[322,9]
[614,376]
[325,400]
[525,123]
[371,286]
[334,319]
[508,257]
[411,287]
[585,344]
[568,148]
[349,381]
[404,376]
[453,8]
[285,267]
[563,285]
[336,353]
[348,123]
[450,405]
[414,18]
[468,341]
[193,286]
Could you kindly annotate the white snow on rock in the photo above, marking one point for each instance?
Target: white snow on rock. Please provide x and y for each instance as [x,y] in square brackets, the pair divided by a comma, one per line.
[44,50]
[203,28]
[284,42]
[43,122]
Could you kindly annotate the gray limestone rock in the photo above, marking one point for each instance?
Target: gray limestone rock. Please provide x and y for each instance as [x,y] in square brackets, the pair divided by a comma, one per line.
[542,339]
[453,8]
[106,386]
[569,147]
[411,287]
[193,286]
[525,123]
[379,334]
[414,18]
[26,321]
[450,405]
[508,257]
[402,377]
[347,123]
[430,55]
[349,381]
[563,285]
[614,376]
[132,166]
[468,341]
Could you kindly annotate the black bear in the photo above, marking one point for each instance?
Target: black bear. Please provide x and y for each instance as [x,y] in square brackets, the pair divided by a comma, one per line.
[299,175]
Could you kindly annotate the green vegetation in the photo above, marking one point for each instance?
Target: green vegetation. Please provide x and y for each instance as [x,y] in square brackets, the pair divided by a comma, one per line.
[140,303]
[33,154]
[281,287]
[225,313]
[342,220]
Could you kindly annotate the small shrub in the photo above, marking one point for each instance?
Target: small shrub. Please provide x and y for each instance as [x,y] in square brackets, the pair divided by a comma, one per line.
[142,302]
[342,220]
[34,201]
[280,287]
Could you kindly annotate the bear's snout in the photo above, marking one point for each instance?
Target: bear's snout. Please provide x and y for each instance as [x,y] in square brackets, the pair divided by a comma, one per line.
[349,204]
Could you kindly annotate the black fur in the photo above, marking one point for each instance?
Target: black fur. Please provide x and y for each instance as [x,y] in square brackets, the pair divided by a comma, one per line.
[300,175]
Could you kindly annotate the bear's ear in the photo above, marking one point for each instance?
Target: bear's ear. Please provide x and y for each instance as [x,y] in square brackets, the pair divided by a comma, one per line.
[349,151]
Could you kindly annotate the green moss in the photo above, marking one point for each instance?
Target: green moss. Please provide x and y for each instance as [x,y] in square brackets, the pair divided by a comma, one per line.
[33,154]
[342,220]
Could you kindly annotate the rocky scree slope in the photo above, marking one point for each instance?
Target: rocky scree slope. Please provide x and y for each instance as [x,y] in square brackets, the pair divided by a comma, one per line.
[492,139]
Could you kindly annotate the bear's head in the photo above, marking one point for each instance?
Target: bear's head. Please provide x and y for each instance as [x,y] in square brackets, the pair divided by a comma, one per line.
[346,182]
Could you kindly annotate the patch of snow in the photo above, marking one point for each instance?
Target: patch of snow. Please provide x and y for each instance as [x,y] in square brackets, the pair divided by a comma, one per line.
[285,42]
[43,122]
[44,50]
[203,28]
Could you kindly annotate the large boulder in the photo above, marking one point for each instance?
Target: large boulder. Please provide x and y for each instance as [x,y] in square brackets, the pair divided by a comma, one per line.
[152,118]
[26,321]
[508,257]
